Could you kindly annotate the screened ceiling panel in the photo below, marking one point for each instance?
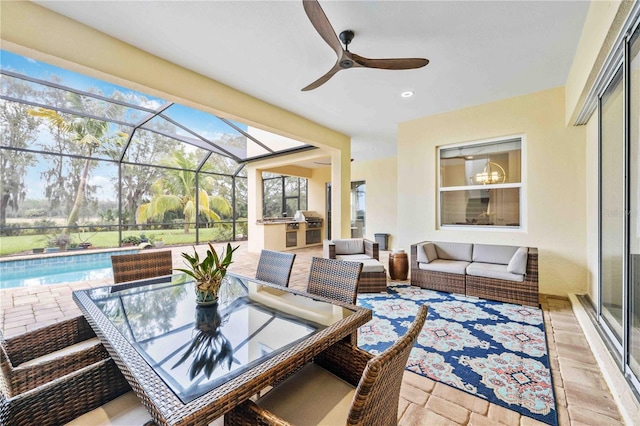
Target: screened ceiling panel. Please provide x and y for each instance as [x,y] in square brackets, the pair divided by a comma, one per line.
[77,97]
[274,143]
[220,164]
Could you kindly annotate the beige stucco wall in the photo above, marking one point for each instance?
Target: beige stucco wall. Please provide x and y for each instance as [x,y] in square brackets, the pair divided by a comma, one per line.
[601,27]
[382,192]
[553,177]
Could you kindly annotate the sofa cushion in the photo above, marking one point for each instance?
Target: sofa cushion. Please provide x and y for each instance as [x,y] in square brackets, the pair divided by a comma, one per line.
[442,265]
[426,252]
[518,262]
[486,253]
[349,246]
[493,270]
[352,257]
[454,251]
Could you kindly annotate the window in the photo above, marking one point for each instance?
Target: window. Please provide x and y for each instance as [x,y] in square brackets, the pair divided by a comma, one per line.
[283,195]
[481,184]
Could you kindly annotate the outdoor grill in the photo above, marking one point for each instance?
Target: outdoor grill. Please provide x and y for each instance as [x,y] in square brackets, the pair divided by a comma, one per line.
[313,219]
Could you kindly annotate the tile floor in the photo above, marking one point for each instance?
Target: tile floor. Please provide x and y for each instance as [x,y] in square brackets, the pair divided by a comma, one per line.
[582,395]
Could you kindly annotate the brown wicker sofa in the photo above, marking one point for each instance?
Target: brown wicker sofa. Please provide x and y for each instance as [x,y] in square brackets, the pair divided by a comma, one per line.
[496,272]
[373,278]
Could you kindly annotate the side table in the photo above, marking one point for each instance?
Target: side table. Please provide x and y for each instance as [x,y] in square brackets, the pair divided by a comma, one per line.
[398,265]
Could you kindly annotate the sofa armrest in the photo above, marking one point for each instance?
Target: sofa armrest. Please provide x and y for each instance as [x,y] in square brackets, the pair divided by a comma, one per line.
[532,266]
[371,249]
[414,254]
[328,249]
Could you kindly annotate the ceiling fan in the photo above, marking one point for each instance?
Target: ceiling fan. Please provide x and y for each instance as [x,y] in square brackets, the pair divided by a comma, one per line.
[347,59]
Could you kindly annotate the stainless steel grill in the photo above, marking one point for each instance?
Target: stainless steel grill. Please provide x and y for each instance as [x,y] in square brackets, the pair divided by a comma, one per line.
[313,219]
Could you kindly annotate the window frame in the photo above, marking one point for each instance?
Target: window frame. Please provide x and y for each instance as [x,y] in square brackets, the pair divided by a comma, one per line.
[521,185]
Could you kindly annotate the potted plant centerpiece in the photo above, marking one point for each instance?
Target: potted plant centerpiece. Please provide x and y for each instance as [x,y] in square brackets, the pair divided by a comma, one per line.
[208,273]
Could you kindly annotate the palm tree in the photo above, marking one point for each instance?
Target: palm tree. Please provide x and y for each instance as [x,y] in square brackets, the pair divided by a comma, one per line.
[88,133]
[177,190]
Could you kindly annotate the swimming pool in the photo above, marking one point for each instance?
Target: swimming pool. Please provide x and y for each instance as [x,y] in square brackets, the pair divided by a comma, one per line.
[57,269]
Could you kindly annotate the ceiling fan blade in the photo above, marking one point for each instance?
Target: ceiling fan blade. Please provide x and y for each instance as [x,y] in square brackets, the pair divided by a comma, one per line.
[319,82]
[321,23]
[390,64]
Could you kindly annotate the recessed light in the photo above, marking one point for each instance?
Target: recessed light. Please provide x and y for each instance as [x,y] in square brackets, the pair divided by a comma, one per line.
[407,94]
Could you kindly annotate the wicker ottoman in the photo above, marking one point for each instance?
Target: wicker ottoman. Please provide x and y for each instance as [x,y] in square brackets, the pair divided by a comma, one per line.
[373,278]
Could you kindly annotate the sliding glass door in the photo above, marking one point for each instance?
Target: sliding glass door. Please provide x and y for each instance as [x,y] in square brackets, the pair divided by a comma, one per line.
[619,292]
[612,206]
[634,204]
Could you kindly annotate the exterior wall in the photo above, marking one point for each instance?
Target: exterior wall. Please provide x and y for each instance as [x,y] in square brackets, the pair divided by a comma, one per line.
[553,182]
[381,177]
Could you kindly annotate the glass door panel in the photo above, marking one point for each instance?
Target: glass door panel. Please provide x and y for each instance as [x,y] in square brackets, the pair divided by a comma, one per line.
[612,206]
[634,205]
[358,191]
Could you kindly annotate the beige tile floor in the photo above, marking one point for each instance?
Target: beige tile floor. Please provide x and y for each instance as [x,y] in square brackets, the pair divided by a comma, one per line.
[582,395]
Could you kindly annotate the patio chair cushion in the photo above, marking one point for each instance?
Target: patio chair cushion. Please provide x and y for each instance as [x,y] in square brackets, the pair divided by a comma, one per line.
[349,246]
[368,264]
[427,254]
[124,410]
[311,396]
[492,270]
[352,257]
[458,267]
[69,350]
[489,253]
[518,263]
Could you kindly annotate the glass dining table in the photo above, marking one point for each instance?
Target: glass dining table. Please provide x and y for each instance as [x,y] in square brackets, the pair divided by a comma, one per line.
[190,364]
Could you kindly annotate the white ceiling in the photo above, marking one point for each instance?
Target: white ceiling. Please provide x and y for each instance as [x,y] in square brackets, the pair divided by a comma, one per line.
[479,51]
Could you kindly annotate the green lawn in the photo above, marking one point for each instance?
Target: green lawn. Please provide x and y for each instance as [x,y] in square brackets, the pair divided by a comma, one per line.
[25,243]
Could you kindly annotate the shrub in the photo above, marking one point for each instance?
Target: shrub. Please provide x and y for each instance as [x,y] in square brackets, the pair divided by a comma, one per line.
[131,239]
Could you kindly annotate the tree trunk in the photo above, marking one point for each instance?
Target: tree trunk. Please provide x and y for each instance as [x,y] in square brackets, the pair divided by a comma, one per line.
[77,205]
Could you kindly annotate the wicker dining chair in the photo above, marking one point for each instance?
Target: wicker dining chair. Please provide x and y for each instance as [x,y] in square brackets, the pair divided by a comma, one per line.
[335,279]
[130,267]
[275,267]
[34,358]
[344,385]
[66,397]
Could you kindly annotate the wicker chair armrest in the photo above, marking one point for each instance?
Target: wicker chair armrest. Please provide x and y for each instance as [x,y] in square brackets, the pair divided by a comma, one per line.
[45,340]
[23,378]
[66,398]
[372,249]
[249,413]
[328,249]
[345,361]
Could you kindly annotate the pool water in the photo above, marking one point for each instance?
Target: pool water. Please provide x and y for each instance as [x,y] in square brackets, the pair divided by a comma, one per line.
[56,270]
[59,275]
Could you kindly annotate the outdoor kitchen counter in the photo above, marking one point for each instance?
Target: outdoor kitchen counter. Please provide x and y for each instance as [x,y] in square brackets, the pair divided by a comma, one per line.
[281,235]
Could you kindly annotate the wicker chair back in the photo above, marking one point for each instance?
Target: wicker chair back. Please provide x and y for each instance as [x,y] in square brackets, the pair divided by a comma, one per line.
[378,393]
[335,279]
[275,267]
[130,267]
[48,345]
[65,398]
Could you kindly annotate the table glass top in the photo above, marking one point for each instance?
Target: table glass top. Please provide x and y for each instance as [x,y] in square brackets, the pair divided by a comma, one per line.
[197,348]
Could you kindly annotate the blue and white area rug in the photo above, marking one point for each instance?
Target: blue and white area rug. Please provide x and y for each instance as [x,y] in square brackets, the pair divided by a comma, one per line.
[493,350]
